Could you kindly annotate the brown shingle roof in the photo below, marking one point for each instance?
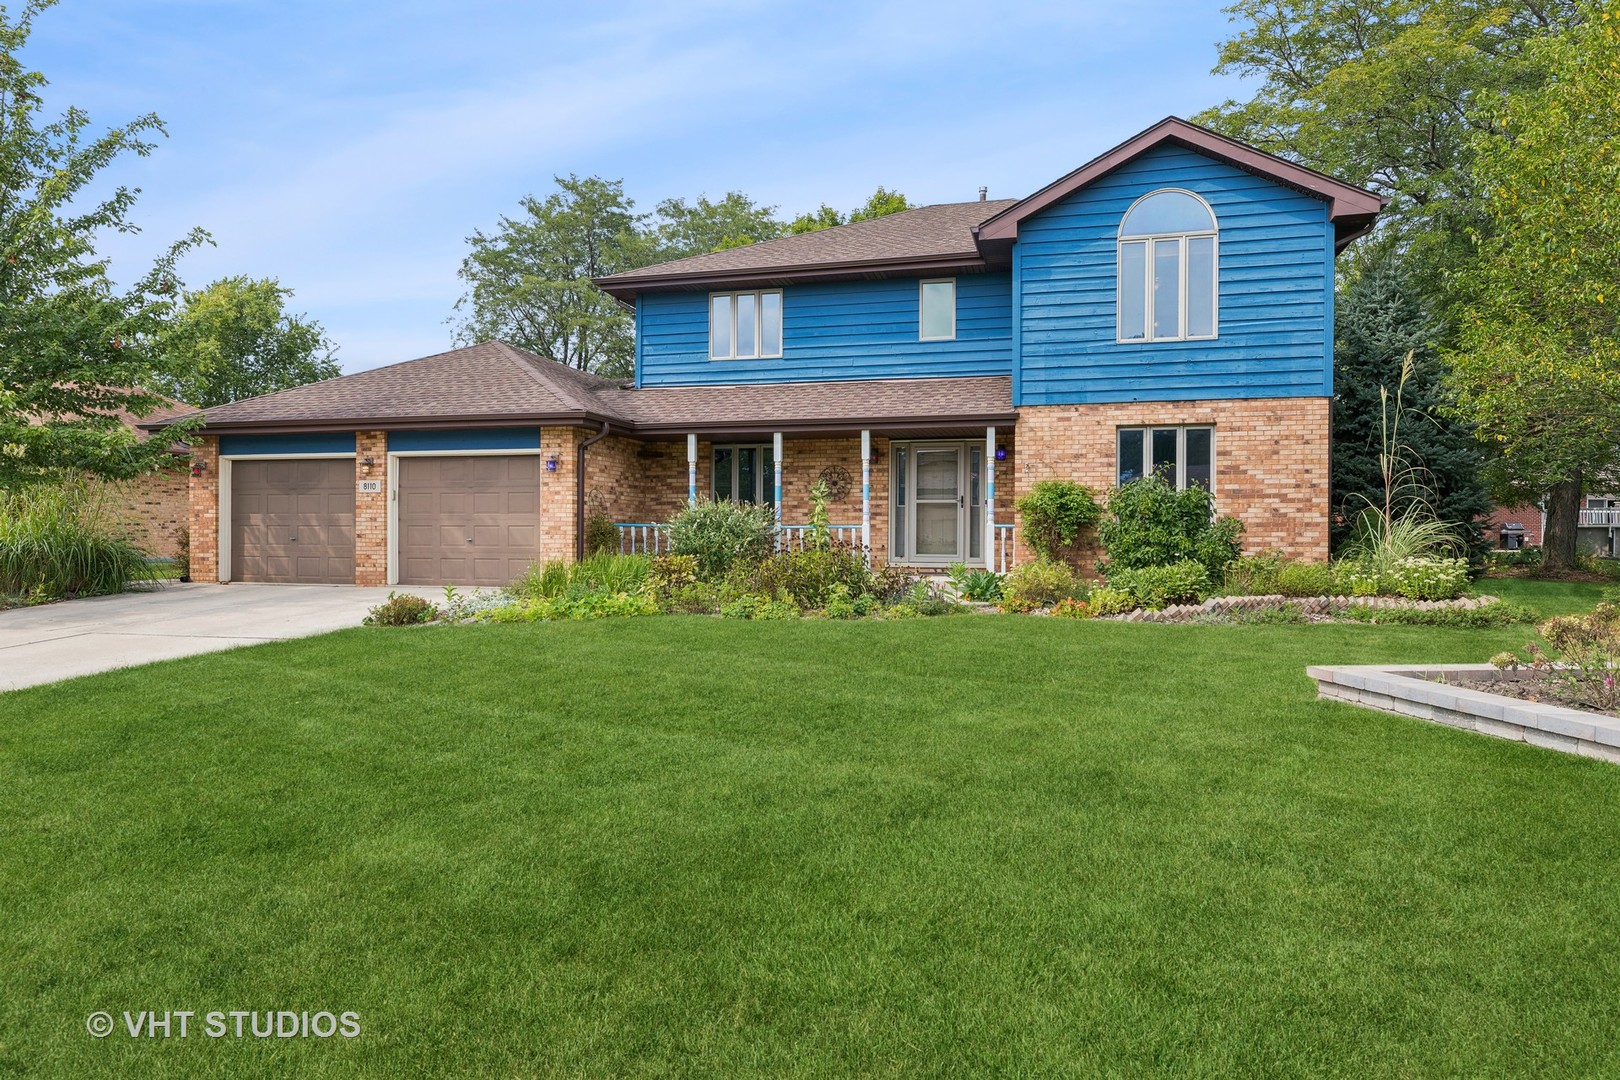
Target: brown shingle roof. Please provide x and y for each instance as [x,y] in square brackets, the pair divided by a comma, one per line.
[824,405]
[490,380]
[493,383]
[939,233]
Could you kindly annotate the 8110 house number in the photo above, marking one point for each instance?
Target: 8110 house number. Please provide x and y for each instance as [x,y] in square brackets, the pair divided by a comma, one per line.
[371,487]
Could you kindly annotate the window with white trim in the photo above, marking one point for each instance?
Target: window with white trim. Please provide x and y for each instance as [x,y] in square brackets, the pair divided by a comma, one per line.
[1167,269]
[1181,456]
[745,325]
[936,310]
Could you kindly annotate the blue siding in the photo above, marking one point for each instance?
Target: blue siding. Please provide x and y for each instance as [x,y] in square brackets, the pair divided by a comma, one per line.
[465,439]
[336,442]
[837,330]
[1275,303]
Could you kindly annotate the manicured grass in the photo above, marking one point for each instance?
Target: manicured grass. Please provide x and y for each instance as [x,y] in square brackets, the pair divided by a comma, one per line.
[1548,598]
[691,847]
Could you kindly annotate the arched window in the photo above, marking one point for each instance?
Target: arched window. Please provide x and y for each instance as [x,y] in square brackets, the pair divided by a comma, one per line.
[1167,285]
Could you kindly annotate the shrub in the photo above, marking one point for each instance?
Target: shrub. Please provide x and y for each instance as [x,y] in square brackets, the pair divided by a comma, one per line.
[401,609]
[693,598]
[841,605]
[924,600]
[1038,584]
[1428,578]
[1255,575]
[1155,587]
[806,577]
[722,534]
[672,571]
[975,583]
[601,535]
[1307,579]
[608,573]
[182,553]
[1107,600]
[1150,523]
[1056,515]
[753,606]
[890,584]
[55,542]
[1070,608]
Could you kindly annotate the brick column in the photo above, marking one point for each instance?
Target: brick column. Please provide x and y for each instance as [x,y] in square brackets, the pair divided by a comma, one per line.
[557,490]
[204,515]
[371,509]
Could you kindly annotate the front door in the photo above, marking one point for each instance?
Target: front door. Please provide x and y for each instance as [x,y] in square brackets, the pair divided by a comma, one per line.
[937,504]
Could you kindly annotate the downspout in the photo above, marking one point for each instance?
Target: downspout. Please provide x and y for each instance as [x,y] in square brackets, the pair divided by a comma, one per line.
[579,490]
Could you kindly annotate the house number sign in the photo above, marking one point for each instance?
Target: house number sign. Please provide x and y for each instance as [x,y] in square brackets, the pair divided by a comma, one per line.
[371,487]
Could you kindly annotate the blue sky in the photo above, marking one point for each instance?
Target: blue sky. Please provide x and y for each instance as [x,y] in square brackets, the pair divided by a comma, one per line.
[349,148]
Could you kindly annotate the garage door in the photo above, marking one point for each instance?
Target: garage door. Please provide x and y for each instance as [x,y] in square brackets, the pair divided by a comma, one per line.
[292,520]
[468,520]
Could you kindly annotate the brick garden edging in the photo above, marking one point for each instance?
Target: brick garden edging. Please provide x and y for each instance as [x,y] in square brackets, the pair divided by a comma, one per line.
[1324,606]
[1411,691]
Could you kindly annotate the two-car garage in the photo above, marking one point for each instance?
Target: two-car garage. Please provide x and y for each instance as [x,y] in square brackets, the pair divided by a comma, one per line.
[458,508]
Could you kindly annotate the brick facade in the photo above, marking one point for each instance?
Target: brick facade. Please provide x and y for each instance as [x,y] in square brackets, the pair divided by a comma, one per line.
[204,499]
[152,510]
[1271,471]
[1272,460]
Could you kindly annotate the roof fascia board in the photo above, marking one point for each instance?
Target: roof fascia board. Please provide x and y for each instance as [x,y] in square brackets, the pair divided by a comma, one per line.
[1345,200]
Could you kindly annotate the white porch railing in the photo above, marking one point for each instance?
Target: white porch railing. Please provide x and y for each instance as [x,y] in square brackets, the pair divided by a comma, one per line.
[1001,554]
[1602,519]
[652,537]
[643,537]
[793,537]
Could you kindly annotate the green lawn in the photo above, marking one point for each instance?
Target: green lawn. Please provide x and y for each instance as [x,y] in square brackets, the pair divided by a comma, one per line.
[1546,597]
[691,847]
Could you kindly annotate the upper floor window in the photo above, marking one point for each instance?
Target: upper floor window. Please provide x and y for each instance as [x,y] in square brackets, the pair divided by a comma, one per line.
[745,325]
[936,310]
[1167,283]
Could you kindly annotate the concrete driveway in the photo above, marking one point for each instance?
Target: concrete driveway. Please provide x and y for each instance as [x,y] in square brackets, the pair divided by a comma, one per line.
[80,637]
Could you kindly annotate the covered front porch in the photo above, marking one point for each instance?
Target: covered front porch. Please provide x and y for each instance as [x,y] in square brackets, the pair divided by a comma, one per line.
[922,497]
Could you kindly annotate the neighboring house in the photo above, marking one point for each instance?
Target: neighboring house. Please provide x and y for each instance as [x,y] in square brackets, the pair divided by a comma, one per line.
[1167,306]
[1514,527]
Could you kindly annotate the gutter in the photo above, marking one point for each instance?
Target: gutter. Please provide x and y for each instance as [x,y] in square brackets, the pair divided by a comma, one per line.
[579,489]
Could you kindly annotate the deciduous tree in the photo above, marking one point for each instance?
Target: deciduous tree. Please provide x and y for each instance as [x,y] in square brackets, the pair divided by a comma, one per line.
[698,228]
[235,340]
[1537,360]
[73,345]
[529,282]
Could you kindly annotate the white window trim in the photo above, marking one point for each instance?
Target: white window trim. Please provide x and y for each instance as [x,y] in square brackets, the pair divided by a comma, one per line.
[921,285]
[1147,269]
[1181,450]
[759,327]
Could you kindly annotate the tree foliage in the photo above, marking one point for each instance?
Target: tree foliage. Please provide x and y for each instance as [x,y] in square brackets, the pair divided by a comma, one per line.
[881,203]
[1381,319]
[529,282]
[235,339]
[685,229]
[1537,360]
[1387,93]
[73,345]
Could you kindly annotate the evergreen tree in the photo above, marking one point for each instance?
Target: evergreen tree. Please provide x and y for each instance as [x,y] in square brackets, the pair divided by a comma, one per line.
[1380,318]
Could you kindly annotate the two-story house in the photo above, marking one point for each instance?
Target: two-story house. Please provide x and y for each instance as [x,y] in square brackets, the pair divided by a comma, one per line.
[1167,306]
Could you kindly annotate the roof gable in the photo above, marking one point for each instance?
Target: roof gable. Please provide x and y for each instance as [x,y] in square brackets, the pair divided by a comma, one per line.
[1352,209]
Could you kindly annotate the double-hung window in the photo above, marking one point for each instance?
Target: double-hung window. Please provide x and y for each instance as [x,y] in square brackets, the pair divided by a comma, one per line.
[1180,456]
[1167,269]
[745,325]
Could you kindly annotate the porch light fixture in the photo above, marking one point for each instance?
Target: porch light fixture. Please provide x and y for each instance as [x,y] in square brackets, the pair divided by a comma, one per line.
[368,461]
[198,468]
[1001,453]
[551,462]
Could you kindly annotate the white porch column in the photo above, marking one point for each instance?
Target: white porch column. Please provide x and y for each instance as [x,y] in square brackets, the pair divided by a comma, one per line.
[990,545]
[776,480]
[866,493]
[691,469]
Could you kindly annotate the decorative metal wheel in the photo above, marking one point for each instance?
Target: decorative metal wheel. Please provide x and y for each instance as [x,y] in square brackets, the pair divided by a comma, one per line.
[836,477]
